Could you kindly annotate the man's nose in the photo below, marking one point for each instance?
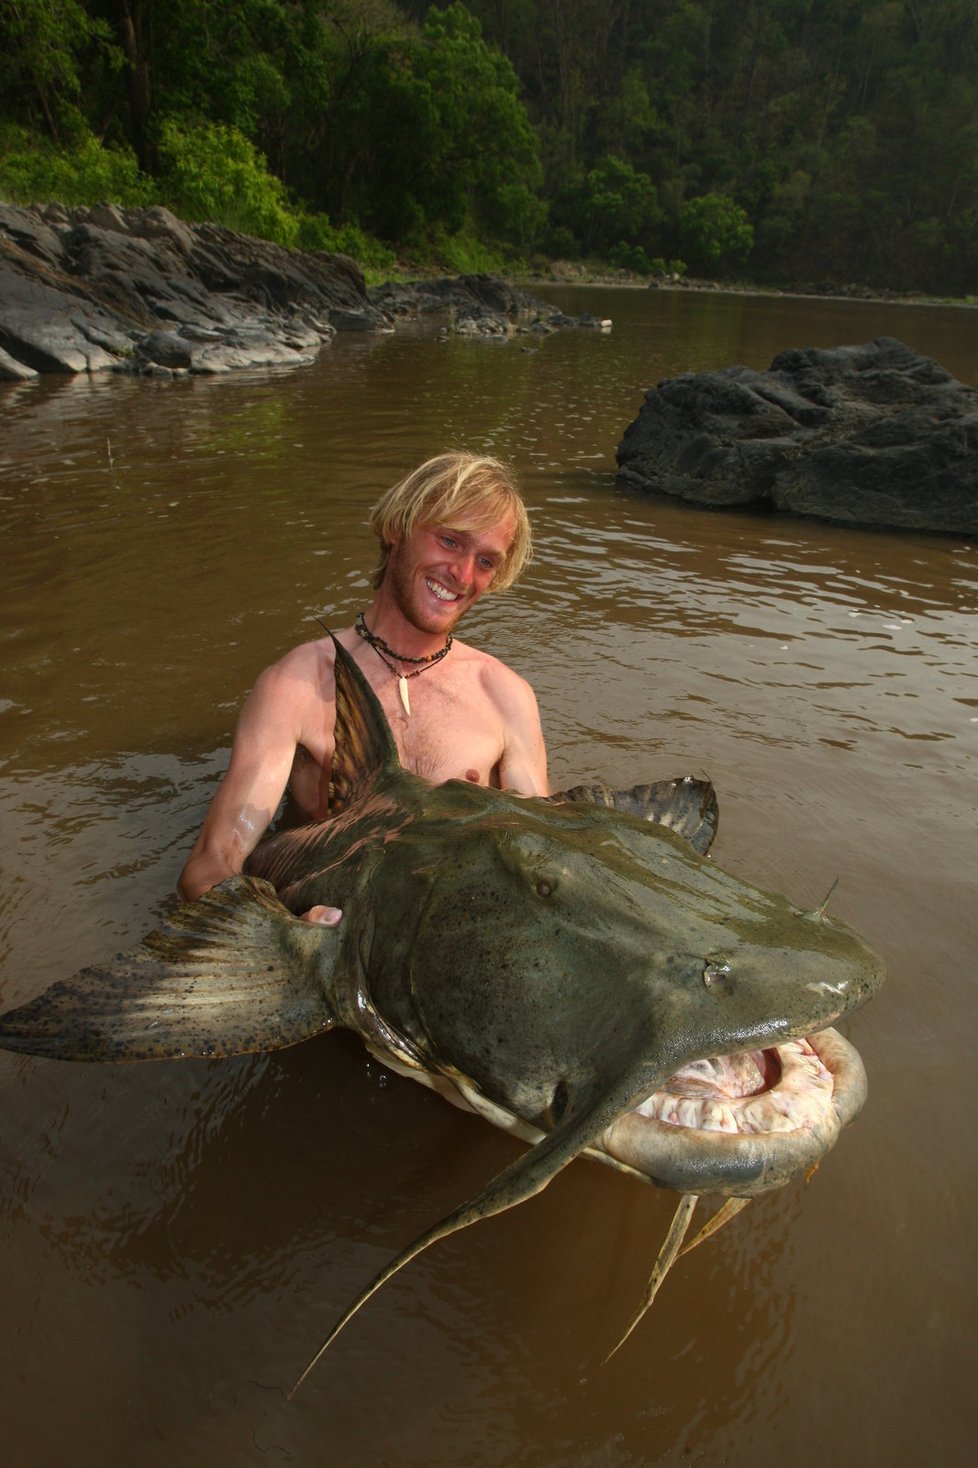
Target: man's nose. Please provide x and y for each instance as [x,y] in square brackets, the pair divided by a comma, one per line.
[462,567]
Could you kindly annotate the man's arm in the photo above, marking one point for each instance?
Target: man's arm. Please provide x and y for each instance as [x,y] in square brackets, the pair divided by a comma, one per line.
[269,731]
[523,766]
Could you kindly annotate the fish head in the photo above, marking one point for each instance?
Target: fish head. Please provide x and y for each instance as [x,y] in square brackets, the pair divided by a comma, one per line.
[573,957]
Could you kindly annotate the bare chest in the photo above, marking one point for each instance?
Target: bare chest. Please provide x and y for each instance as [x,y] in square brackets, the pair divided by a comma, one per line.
[444,730]
[447,728]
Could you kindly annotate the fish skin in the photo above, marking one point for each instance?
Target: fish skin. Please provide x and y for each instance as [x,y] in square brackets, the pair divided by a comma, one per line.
[553,960]
[541,948]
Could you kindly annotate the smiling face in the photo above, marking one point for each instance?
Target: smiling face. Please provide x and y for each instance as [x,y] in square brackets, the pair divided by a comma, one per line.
[451,493]
[437,572]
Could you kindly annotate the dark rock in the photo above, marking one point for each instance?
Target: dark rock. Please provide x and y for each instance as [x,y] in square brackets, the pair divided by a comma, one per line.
[166,349]
[466,297]
[82,290]
[49,325]
[13,371]
[481,323]
[476,305]
[353,320]
[870,435]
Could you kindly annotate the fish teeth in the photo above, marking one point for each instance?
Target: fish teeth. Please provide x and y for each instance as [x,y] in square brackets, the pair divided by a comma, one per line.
[794,1102]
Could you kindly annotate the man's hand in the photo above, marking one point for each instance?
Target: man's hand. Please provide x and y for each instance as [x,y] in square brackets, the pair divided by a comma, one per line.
[327,916]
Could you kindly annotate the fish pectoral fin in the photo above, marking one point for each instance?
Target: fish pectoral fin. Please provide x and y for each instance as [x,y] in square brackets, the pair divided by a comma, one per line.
[233,972]
[529,1174]
[668,1254]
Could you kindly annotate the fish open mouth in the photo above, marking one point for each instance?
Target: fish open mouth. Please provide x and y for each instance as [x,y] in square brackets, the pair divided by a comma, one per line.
[742,1124]
[737,1125]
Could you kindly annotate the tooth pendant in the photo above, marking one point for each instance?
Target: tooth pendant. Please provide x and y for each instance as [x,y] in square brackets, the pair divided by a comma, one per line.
[402,689]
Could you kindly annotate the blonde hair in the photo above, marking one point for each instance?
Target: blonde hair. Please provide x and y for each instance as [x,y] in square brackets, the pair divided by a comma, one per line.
[462,492]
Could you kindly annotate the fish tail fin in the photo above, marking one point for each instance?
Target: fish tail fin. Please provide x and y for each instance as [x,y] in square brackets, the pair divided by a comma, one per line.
[686,805]
[230,973]
[363,742]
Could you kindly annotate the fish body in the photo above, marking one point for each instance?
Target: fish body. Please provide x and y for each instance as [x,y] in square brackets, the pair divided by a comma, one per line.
[548,963]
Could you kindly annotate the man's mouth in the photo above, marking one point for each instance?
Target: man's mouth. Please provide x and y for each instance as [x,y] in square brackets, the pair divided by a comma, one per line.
[441,592]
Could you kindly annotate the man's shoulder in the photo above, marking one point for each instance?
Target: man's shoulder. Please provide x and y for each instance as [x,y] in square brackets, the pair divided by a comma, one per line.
[500,680]
[308,666]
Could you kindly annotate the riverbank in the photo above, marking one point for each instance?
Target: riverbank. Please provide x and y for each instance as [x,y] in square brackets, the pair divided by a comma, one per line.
[570,273]
[139,290]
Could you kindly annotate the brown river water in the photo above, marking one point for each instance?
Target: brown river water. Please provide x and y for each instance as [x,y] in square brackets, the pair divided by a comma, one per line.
[177,1238]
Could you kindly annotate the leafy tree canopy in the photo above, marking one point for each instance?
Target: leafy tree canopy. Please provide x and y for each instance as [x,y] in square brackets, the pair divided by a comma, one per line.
[801,141]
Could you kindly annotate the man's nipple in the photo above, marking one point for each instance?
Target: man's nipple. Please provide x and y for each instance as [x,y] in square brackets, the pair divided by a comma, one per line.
[472,775]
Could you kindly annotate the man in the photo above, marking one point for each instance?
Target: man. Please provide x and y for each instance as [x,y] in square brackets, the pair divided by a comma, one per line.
[451,531]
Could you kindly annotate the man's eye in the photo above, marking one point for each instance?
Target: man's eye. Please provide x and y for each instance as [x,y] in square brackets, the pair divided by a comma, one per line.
[487,564]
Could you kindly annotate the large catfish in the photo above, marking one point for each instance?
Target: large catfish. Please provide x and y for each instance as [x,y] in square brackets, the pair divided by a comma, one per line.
[570,968]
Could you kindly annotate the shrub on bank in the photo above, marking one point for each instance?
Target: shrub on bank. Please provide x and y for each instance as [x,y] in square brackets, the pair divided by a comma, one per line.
[212,172]
[32,170]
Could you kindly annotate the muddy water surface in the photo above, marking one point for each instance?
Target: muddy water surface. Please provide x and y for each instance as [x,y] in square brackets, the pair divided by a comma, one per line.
[176,1238]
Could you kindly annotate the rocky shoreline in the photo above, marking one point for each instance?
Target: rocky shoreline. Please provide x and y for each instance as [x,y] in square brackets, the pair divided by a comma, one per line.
[871,435]
[138,290]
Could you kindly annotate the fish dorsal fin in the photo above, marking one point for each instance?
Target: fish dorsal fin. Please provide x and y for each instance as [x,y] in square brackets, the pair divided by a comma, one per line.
[362,739]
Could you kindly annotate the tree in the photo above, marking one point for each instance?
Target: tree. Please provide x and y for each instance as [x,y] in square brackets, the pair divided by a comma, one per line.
[428,133]
[212,172]
[714,232]
[845,132]
[46,44]
[611,204]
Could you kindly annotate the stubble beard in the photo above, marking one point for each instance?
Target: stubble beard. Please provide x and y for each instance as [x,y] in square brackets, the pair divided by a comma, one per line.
[406,598]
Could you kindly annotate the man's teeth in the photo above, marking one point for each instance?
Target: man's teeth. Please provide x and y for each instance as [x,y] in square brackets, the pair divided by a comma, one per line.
[442,592]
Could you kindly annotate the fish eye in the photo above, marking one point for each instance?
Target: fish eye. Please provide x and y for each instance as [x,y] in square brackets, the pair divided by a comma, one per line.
[715,971]
[544,888]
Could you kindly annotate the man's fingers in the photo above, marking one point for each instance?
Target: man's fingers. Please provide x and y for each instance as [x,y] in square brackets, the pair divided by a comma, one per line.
[328,916]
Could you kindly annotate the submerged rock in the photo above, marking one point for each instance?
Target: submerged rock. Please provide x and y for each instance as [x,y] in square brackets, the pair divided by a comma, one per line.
[871,435]
[90,289]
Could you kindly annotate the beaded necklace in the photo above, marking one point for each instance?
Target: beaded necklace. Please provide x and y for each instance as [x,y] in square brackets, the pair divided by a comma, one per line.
[381,648]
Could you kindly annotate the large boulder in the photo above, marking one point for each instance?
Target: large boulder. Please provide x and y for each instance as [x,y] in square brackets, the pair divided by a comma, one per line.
[86,289]
[871,435]
[106,287]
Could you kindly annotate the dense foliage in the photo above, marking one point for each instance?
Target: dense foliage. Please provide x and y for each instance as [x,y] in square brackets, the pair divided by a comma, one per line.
[831,141]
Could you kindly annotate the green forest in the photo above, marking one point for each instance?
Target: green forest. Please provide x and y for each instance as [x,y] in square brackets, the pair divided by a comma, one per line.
[806,143]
